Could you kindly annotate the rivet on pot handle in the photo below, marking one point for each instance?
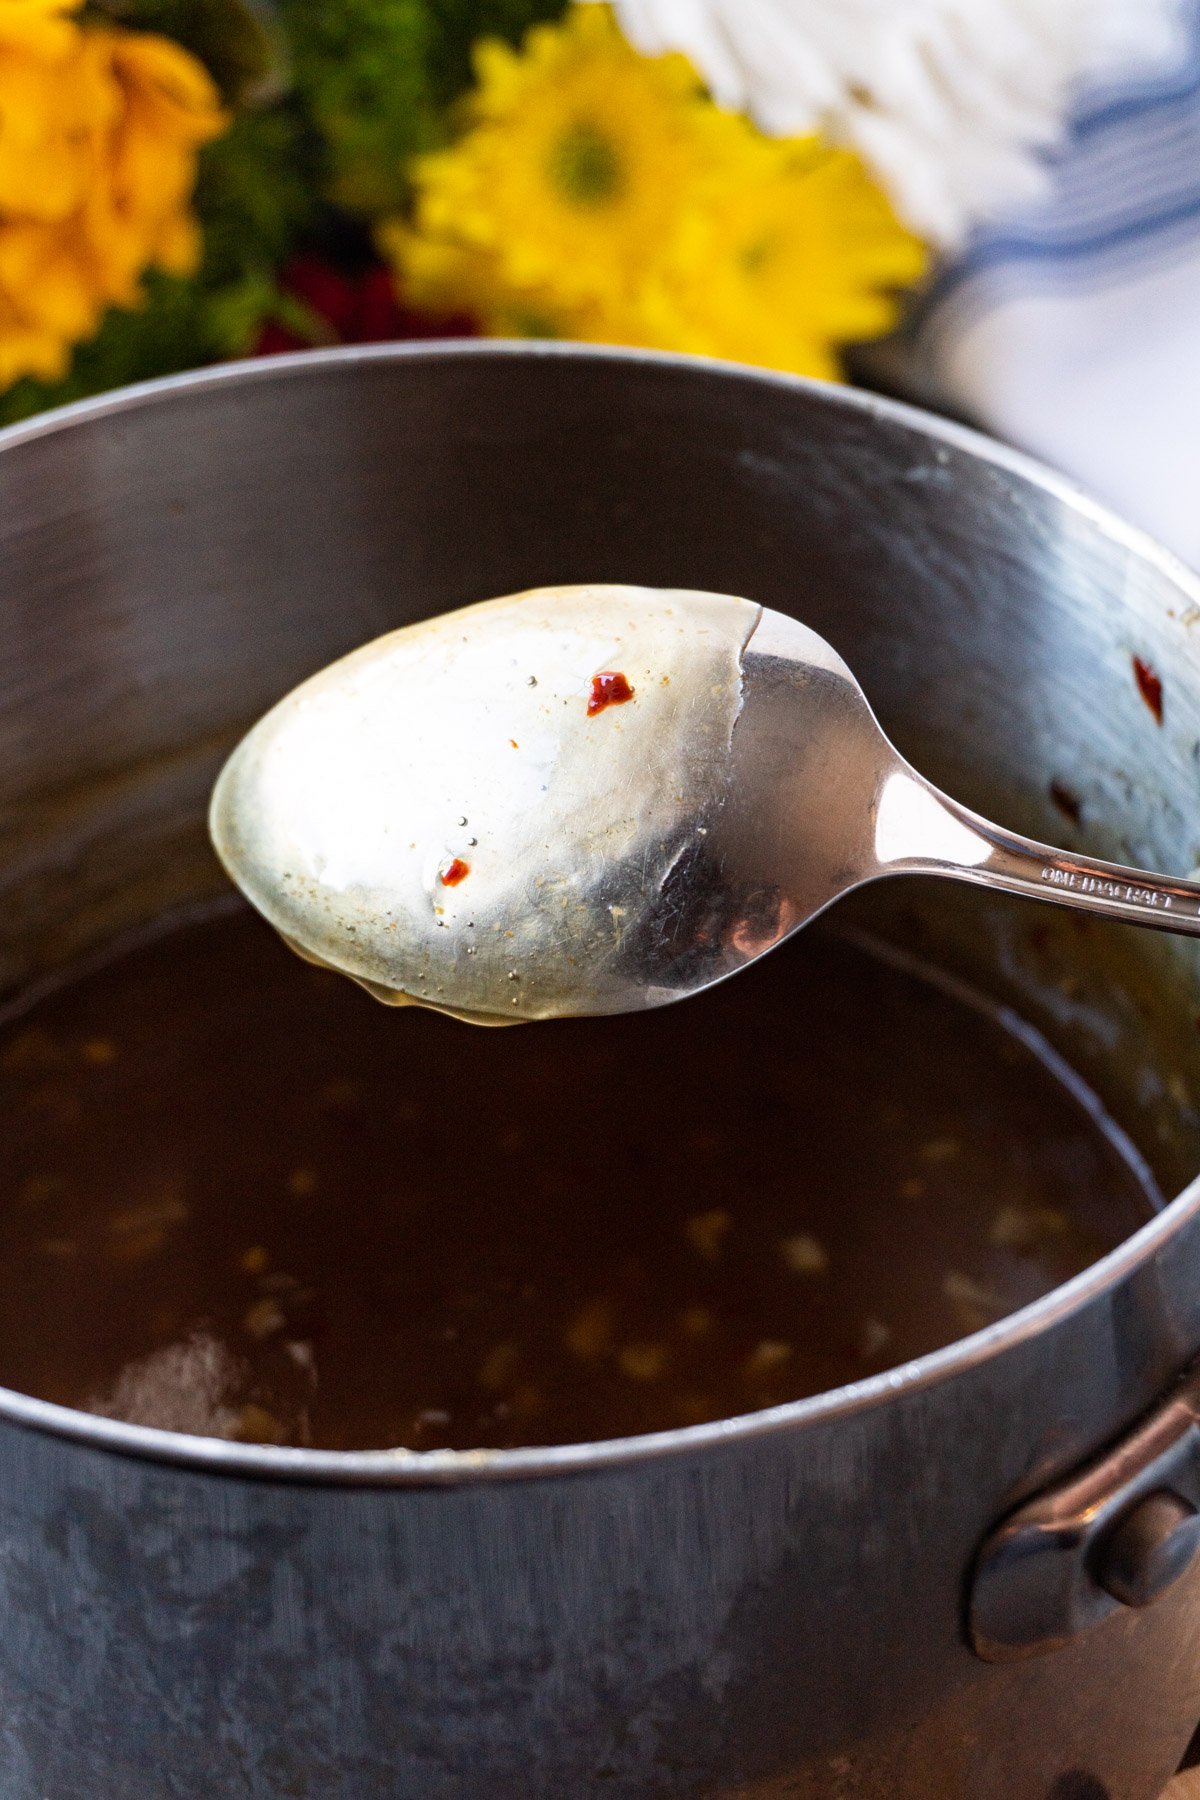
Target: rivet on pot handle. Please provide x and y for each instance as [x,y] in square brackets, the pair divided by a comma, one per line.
[1117,1533]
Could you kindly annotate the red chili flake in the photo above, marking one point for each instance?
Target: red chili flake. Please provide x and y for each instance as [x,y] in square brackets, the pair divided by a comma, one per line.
[1149,687]
[608,689]
[454,872]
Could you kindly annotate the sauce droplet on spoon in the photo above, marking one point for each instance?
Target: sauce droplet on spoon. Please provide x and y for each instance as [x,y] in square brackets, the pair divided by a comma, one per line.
[608,689]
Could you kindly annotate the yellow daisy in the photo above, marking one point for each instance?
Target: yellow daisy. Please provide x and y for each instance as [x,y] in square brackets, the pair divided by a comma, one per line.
[791,252]
[577,158]
[447,277]
[599,194]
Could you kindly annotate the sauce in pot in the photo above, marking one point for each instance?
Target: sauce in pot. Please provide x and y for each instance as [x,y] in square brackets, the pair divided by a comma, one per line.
[238,1198]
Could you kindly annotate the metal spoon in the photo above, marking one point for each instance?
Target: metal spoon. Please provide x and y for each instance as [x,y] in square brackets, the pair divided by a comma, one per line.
[596,800]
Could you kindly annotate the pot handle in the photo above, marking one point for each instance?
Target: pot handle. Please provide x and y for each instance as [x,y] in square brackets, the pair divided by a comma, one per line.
[1118,1532]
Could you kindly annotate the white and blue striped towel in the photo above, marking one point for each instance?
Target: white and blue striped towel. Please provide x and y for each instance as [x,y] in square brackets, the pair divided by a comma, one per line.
[1074,329]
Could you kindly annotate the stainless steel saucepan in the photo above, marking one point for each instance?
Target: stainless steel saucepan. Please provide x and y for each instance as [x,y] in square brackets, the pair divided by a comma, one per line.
[972,1578]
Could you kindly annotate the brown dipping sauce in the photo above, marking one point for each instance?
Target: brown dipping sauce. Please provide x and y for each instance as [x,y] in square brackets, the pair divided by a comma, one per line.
[240,1198]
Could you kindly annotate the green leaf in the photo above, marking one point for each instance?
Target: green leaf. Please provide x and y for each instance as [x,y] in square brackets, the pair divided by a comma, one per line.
[256,193]
[359,67]
[377,77]
[457,25]
[229,37]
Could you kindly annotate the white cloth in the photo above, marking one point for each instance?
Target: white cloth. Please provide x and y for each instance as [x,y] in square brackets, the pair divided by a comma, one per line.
[1073,329]
[948,101]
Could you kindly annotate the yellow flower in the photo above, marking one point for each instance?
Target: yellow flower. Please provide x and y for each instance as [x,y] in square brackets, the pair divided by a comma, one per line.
[56,109]
[577,158]
[792,252]
[170,108]
[99,131]
[599,194]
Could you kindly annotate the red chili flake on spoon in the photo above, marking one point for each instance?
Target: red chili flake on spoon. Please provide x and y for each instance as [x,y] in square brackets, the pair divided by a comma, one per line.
[1149,687]
[454,872]
[608,689]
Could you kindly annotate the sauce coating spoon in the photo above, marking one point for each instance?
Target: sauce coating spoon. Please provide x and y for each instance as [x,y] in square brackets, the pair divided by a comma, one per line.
[597,799]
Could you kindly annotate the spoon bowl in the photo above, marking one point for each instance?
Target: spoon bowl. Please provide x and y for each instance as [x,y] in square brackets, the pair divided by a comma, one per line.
[597,799]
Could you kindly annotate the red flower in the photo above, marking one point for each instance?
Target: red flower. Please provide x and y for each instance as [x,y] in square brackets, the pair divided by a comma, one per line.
[352,309]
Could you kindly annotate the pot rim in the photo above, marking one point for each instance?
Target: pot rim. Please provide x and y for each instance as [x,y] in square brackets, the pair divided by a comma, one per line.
[416,1468]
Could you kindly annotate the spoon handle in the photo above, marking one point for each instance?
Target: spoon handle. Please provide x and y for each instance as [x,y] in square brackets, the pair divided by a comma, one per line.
[941,837]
